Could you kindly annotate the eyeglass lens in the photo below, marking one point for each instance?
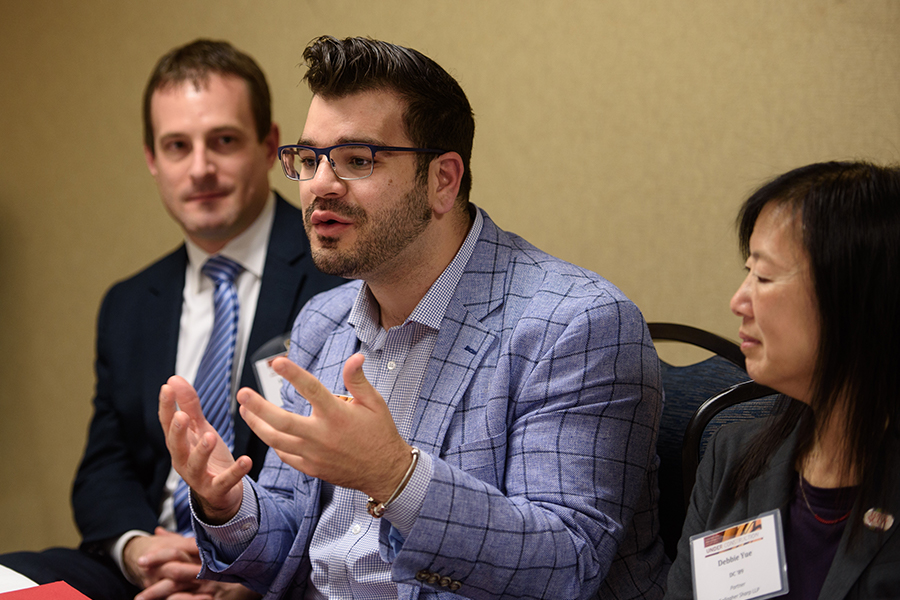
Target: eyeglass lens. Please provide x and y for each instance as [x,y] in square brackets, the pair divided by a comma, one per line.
[348,162]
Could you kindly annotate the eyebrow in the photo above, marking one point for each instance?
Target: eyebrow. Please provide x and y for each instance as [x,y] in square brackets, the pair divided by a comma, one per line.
[769,259]
[343,140]
[215,131]
[760,256]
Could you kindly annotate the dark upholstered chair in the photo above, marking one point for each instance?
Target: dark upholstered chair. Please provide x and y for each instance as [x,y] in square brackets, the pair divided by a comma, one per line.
[686,389]
[745,400]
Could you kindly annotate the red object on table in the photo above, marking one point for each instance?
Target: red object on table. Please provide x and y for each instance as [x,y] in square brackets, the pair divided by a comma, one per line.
[59,590]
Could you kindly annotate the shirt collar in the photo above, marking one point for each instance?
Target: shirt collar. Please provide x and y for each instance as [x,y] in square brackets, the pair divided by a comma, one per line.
[431,308]
[248,249]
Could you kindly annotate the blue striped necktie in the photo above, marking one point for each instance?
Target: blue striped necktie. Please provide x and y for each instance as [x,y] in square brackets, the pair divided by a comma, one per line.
[213,381]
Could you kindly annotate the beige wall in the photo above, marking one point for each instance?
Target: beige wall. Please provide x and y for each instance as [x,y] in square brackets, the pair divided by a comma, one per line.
[620,135]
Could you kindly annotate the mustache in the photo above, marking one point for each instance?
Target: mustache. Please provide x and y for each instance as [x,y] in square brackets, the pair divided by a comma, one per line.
[338,207]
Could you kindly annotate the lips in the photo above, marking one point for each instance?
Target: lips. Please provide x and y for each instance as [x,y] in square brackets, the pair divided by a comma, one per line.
[207,195]
[327,217]
[747,341]
[328,223]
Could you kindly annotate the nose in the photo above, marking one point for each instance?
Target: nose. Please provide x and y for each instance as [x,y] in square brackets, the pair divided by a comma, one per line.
[740,303]
[201,163]
[325,182]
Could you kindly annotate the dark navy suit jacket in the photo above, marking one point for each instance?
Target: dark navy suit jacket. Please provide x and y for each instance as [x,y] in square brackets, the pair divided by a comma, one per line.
[119,484]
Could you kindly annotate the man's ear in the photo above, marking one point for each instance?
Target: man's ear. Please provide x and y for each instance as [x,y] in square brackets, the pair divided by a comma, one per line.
[151,159]
[444,178]
[271,141]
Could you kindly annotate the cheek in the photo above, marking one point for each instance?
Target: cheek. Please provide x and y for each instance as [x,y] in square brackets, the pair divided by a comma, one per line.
[812,334]
[237,170]
[171,176]
[306,196]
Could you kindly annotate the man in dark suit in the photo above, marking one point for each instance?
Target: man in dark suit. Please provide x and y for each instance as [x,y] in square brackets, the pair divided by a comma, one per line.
[209,143]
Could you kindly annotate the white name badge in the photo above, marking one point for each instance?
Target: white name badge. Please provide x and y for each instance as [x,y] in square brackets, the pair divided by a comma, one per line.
[744,561]
[269,381]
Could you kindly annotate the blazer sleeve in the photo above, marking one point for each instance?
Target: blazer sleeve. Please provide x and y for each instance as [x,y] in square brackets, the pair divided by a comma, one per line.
[540,506]
[124,467]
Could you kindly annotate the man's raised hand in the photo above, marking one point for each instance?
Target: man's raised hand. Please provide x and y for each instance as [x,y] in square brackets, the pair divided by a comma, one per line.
[349,444]
[198,453]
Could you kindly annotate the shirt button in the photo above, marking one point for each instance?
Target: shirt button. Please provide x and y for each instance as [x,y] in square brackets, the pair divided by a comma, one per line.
[246,526]
[355,529]
[391,365]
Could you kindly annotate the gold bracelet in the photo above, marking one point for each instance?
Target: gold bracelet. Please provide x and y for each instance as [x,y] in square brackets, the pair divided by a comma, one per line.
[376,508]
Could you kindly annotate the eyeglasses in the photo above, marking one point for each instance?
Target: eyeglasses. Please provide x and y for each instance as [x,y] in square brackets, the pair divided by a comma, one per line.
[349,161]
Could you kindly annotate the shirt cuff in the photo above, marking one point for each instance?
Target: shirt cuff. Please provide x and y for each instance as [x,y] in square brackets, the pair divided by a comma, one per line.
[232,538]
[117,552]
[403,512]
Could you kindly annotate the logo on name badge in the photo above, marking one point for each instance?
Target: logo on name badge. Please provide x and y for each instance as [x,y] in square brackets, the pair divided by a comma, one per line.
[878,520]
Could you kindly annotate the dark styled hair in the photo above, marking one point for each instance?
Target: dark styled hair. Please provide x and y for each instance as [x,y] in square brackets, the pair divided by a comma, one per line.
[438,114]
[195,62]
[849,217]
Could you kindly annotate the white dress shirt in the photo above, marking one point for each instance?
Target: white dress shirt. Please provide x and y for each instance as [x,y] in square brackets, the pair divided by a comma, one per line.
[249,250]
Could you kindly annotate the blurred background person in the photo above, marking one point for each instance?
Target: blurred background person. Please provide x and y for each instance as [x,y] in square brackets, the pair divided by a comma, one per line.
[209,144]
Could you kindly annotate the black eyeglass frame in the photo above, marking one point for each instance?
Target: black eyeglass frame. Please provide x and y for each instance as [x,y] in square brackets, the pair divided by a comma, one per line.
[326,152]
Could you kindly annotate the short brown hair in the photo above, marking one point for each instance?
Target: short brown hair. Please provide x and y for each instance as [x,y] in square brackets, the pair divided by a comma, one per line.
[438,114]
[194,62]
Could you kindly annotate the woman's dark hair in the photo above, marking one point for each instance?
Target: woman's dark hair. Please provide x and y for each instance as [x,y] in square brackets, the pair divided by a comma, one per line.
[195,62]
[438,114]
[849,217]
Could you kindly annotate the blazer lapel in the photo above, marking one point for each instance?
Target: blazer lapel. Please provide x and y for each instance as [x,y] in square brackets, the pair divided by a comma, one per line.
[847,567]
[463,340]
[283,278]
[161,321]
[850,561]
[460,349]
[773,487]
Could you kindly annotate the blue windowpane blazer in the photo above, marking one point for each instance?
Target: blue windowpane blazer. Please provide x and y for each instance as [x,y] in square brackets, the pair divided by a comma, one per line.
[540,406]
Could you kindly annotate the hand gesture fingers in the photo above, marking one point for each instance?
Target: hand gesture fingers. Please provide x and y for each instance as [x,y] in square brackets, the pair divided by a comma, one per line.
[198,453]
[182,573]
[322,400]
[158,591]
[169,589]
[349,444]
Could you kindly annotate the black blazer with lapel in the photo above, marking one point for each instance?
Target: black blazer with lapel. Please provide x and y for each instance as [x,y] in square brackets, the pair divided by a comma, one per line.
[867,569]
[119,484]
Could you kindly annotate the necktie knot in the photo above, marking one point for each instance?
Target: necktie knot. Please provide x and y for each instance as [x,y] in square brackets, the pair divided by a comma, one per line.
[221,269]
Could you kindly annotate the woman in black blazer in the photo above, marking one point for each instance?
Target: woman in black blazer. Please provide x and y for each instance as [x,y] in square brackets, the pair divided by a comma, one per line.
[820,310]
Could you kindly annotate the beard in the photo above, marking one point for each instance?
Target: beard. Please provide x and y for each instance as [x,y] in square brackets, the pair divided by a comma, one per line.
[381,235]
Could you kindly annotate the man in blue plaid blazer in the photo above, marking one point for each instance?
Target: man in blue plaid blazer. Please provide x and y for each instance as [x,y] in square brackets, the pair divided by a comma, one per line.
[472,419]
